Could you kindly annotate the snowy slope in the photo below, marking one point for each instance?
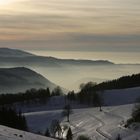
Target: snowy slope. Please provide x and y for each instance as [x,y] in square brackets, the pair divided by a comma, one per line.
[111,98]
[7,133]
[98,125]
[54,103]
[90,121]
[121,96]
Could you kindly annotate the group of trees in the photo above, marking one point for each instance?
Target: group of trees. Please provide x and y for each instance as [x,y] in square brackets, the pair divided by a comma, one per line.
[120,83]
[92,93]
[30,95]
[9,117]
[37,95]
[87,95]
[57,92]
[135,114]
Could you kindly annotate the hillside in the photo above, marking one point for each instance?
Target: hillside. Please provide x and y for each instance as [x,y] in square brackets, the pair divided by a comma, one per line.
[67,73]
[6,52]
[9,57]
[101,125]
[105,125]
[7,133]
[129,81]
[20,79]
[124,90]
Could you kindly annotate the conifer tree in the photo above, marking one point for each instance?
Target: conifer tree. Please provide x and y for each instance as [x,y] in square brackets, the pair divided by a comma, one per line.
[69,134]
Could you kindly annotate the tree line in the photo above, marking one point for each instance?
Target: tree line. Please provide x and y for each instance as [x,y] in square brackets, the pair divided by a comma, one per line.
[120,83]
[92,93]
[9,117]
[87,95]
[39,95]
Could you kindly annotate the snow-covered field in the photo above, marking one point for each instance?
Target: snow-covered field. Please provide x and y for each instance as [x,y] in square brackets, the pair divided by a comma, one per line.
[7,133]
[105,125]
[121,96]
[90,121]
[111,98]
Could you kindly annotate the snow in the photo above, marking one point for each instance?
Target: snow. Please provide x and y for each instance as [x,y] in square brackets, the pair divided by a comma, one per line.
[54,103]
[7,133]
[90,121]
[105,125]
[121,96]
[111,98]
[40,121]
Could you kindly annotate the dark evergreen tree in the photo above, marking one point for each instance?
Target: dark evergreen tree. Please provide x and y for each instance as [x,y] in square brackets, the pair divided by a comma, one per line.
[69,134]
[136,113]
[9,117]
[40,96]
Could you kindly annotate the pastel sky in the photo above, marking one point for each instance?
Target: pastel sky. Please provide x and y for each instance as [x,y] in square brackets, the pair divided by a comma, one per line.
[71,25]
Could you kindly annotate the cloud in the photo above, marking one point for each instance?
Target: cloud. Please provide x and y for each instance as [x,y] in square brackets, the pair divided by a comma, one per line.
[80,42]
[71,25]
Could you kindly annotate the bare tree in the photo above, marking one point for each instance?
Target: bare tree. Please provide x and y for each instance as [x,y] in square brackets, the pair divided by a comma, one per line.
[67,111]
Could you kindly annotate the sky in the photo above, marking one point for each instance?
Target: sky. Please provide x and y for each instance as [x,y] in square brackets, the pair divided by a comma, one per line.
[71,25]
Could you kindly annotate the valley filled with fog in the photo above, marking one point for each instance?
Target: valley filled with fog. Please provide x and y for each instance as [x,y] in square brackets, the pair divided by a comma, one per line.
[70,77]
[67,73]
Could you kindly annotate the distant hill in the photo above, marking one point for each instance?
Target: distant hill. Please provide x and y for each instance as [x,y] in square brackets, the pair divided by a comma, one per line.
[120,83]
[6,52]
[8,57]
[124,90]
[20,79]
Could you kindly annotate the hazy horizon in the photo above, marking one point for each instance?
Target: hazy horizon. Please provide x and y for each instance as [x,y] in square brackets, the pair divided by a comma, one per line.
[74,29]
[106,27]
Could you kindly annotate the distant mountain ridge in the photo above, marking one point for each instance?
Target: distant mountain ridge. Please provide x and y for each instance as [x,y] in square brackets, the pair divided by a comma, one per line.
[6,52]
[9,57]
[20,79]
